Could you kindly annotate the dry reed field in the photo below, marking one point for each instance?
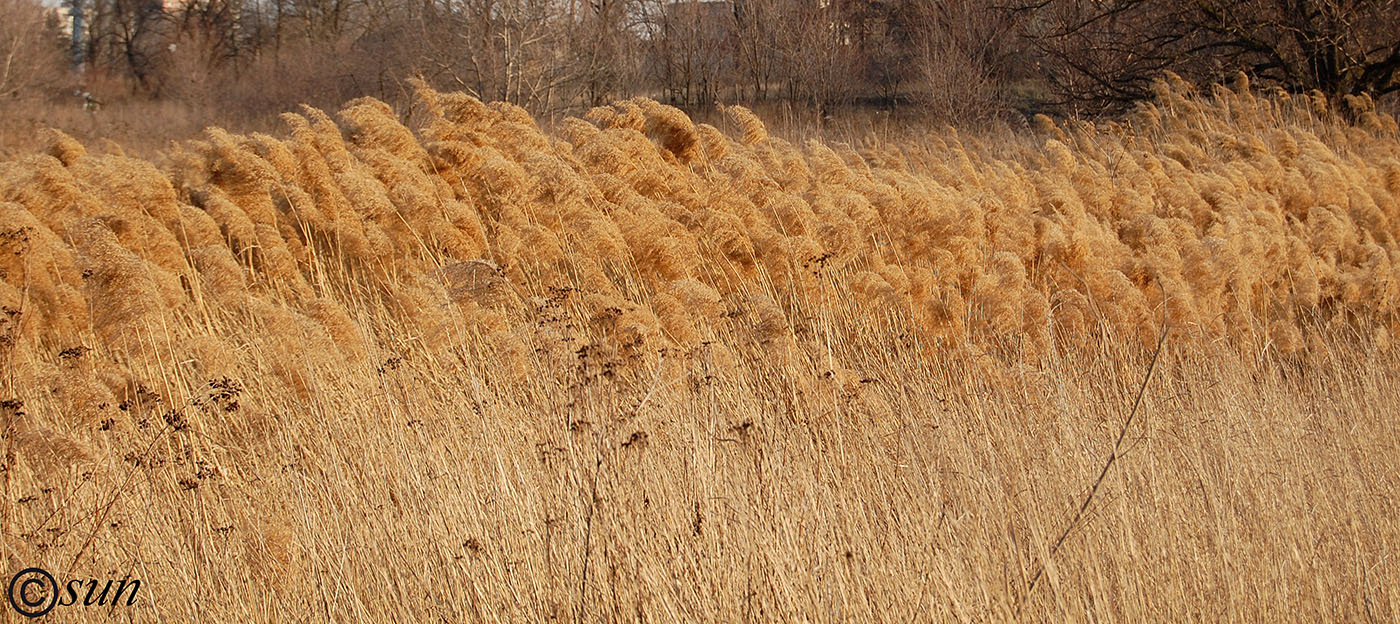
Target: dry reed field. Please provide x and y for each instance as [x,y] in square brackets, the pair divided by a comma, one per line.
[639,369]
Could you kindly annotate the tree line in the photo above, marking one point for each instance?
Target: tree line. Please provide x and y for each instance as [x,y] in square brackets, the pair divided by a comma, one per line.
[954,58]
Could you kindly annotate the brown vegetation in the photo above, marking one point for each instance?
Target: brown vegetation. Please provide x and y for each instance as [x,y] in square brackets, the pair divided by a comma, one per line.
[646,368]
[964,61]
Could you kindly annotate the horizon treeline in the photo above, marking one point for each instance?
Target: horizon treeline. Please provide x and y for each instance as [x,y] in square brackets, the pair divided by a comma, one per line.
[955,60]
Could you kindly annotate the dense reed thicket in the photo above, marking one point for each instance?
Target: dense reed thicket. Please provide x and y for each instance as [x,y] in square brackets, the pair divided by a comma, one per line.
[646,368]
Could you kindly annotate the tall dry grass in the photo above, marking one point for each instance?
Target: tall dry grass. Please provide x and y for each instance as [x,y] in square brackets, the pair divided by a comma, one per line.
[643,368]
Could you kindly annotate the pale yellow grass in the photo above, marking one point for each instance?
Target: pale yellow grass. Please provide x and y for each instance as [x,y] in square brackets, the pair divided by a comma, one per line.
[647,370]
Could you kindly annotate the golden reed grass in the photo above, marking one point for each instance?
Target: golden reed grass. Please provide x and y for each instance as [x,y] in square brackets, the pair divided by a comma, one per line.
[642,368]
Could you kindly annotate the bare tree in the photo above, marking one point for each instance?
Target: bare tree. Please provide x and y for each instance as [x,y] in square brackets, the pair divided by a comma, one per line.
[1105,53]
[756,45]
[30,48]
[964,52]
[817,49]
[690,45]
[130,34]
[602,40]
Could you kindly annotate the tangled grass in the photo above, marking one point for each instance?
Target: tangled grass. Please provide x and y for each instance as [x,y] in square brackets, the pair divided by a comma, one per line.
[642,368]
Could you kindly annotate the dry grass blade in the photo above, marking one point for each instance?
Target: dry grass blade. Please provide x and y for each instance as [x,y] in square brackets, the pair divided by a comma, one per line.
[467,369]
[1113,456]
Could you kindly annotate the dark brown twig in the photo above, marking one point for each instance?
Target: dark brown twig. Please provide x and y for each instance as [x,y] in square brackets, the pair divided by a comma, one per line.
[1108,464]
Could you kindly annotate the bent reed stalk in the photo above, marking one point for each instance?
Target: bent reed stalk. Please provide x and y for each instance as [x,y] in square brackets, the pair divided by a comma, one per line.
[637,367]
